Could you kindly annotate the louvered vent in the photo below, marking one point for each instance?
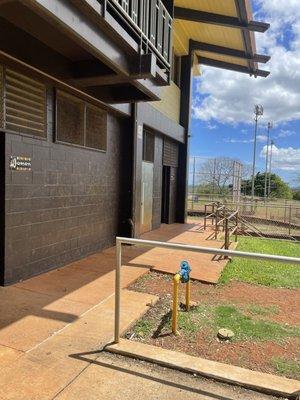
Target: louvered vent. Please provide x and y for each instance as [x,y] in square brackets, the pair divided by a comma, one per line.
[170,153]
[25,104]
[1,98]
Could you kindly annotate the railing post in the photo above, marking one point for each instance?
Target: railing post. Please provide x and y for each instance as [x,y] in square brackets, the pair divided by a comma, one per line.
[236,226]
[226,236]
[217,224]
[205,214]
[290,219]
[118,291]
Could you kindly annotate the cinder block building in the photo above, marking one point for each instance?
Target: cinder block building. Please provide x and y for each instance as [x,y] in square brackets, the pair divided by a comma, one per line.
[95,99]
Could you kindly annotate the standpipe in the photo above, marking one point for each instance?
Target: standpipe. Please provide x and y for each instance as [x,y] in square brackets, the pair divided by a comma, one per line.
[183,276]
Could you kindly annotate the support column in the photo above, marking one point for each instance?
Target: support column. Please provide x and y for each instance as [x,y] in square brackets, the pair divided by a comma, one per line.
[137,170]
[185,117]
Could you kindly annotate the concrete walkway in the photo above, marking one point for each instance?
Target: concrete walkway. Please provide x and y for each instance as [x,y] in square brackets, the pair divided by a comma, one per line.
[205,267]
[49,322]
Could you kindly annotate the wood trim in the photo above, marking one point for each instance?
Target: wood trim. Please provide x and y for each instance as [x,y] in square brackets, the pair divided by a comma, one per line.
[232,67]
[226,51]
[243,11]
[218,19]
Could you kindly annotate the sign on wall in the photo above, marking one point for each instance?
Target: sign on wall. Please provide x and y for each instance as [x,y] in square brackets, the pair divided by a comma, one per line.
[18,163]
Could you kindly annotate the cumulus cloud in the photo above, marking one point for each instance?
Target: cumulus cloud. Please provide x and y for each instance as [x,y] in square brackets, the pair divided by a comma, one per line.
[286,159]
[229,97]
[262,138]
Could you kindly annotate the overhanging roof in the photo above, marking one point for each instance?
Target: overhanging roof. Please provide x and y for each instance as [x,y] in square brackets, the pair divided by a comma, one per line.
[220,33]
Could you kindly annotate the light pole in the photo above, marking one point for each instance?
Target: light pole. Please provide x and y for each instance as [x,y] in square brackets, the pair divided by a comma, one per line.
[259,112]
[270,126]
[270,169]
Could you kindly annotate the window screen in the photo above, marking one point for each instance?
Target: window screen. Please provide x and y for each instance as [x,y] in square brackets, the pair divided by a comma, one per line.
[96,128]
[148,146]
[69,119]
[80,123]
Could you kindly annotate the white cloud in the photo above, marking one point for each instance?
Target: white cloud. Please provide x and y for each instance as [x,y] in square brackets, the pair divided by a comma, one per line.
[262,138]
[287,159]
[211,127]
[286,133]
[232,140]
[230,96]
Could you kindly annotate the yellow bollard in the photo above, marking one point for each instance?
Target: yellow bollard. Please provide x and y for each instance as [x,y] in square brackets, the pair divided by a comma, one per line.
[176,281]
[188,295]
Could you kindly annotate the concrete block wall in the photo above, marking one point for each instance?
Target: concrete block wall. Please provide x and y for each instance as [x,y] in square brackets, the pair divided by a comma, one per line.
[66,207]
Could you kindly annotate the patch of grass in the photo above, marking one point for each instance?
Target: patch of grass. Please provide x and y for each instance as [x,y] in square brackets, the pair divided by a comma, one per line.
[143,328]
[191,322]
[267,273]
[255,309]
[145,278]
[245,328]
[289,368]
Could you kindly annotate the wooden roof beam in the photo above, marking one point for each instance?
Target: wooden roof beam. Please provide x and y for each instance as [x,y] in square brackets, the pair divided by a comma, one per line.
[228,52]
[232,67]
[218,19]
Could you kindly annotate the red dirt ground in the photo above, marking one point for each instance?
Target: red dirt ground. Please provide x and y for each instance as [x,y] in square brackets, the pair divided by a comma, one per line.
[252,355]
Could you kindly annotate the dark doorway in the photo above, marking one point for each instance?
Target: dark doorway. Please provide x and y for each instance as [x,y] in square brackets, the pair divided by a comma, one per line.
[169,183]
[2,206]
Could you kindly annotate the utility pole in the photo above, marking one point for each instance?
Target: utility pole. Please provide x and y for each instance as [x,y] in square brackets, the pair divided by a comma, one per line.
[194,170]
[270,126]
[258,112]
[270,169]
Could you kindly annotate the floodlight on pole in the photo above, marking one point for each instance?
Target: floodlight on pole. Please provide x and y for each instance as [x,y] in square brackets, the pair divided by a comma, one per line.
[258,112]
[270,126]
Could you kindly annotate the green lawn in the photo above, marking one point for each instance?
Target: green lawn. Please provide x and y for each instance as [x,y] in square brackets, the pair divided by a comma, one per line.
[265,273]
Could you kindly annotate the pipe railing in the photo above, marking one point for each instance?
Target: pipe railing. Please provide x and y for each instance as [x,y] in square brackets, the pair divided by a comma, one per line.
[177,246]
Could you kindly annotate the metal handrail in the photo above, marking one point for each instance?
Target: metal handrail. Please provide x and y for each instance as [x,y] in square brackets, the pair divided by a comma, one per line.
[152,21]
[184,247]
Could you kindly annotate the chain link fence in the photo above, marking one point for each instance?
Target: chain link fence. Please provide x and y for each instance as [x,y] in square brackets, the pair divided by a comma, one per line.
[220,180]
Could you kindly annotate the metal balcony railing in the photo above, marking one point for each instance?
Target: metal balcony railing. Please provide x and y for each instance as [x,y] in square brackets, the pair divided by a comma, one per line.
[152,22]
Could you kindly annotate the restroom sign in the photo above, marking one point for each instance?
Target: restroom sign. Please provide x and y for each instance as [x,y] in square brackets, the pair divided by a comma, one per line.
[18,163]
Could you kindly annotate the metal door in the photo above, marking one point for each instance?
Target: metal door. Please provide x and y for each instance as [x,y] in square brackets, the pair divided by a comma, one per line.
[147,197]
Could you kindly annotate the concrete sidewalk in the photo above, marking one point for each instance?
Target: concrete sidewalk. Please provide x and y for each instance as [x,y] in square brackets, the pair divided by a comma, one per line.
[52,326]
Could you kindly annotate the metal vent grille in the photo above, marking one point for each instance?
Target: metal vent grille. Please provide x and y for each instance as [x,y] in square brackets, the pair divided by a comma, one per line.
[25,104]
[170,154]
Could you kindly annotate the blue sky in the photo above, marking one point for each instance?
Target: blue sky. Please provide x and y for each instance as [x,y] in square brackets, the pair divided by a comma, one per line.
[223,101]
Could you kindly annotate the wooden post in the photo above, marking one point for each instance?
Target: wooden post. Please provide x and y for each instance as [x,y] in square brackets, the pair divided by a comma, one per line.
[290,219]
[236,226]
[216,224]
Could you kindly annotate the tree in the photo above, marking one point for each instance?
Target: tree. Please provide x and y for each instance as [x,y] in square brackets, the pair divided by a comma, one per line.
[279,189]
[296,195]
[217,175]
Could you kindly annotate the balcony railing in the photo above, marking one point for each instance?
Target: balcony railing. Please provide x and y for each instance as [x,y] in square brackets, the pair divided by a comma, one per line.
[152,22]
